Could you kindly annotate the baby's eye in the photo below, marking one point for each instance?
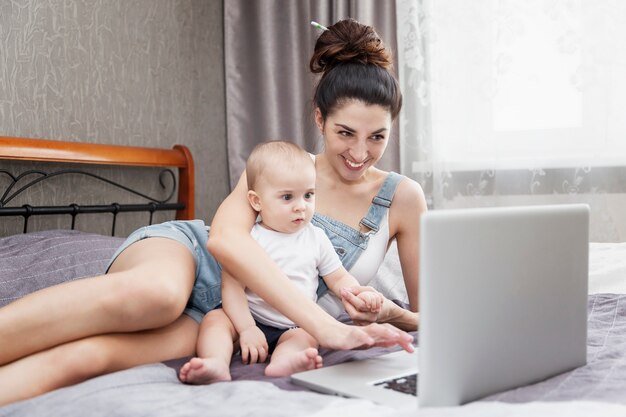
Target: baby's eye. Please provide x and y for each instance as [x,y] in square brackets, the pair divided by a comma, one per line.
[309,195]
[286,197]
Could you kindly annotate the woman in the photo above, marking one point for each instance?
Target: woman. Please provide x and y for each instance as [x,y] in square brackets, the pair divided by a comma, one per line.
[356,100]
[133,315]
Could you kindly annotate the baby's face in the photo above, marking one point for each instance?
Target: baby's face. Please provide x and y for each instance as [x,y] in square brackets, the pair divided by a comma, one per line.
[287,198]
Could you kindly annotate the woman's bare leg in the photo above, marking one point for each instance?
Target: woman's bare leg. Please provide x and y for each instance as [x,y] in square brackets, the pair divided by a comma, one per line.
[147,287]
[80,360]
[214,350]
[295,351]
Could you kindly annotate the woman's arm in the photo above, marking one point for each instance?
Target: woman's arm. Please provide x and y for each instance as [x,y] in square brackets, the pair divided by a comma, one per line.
[410,203]
[390,312]
[239,254]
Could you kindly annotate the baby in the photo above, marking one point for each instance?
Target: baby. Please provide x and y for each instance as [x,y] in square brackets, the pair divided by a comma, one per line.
[281,184]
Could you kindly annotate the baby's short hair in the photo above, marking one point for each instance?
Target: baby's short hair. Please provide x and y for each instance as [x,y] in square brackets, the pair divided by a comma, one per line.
[274,155]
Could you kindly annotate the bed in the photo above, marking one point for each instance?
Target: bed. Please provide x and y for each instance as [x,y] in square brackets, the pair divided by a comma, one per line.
[37,259]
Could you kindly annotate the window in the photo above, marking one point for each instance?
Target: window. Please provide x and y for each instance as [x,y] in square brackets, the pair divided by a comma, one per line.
[533,83]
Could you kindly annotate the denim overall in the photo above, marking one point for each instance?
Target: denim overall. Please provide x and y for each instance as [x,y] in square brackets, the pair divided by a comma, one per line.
[348,242]
[206,294]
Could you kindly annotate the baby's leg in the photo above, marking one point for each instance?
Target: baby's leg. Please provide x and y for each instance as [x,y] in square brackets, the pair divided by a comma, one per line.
[296,351]
[214,350]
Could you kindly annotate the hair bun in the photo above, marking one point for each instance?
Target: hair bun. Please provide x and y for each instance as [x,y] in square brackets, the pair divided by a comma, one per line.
[349,41]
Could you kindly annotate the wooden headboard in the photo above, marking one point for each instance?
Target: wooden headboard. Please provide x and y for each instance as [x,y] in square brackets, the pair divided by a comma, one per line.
[25,149]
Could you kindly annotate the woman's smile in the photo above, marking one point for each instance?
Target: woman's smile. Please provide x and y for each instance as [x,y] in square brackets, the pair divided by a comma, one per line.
[354,166]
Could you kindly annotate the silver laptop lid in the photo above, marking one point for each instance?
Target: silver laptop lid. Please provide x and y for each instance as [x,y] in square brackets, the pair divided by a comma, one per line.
[503,299]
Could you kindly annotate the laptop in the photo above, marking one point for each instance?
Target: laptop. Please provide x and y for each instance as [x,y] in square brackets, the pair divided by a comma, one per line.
[503,303]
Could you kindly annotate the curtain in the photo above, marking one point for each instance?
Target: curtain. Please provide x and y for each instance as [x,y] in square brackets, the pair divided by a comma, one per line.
[515,103]
[269,88]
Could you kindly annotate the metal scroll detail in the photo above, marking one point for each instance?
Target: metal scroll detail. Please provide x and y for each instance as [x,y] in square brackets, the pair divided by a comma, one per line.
[15,188]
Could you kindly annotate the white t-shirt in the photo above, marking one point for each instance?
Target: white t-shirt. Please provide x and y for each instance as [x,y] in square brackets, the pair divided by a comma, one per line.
[302,256]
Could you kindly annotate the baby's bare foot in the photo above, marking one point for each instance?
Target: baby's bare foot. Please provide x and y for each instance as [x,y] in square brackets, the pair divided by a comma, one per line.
[204,371]
[295,362]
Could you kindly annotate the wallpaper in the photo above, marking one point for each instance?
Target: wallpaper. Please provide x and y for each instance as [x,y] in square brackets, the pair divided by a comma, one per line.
[140,73]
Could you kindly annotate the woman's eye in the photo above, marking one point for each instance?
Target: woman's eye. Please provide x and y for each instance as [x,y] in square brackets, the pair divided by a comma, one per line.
[378,137]
[345,133]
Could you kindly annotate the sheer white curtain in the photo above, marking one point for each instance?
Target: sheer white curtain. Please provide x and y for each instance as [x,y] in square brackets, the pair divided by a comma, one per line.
[516,102]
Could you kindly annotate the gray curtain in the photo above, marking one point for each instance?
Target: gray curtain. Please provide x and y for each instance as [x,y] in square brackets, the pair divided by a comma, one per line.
[269,89]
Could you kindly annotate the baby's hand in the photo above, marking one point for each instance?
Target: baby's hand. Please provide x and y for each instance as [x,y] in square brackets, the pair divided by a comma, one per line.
[253,345]
[363,304]
[373,300]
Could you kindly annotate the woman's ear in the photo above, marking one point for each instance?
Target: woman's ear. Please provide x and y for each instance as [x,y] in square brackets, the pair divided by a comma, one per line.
[319,120]
[254,200]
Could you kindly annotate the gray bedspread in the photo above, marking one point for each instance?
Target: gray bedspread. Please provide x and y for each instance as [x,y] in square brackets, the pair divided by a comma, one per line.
[36,260]
[604,376]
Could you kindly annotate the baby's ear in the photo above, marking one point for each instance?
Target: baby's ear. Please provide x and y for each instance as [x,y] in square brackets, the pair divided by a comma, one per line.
[254,200]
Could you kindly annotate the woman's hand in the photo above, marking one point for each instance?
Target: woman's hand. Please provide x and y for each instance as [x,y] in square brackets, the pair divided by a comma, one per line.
[253,345]
[389,312]
[386,335]
[341,336]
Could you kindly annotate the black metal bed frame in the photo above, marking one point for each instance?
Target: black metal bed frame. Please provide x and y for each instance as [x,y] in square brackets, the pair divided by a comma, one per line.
[26,211]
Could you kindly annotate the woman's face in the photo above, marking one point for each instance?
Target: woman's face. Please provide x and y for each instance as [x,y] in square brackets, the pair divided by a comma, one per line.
[355,136]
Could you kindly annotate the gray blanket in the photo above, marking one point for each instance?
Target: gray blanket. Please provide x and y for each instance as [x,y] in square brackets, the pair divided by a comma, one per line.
[33,261]
[604,376]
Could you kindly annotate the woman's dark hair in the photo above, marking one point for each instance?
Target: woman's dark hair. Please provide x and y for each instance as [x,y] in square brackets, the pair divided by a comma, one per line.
[355,66]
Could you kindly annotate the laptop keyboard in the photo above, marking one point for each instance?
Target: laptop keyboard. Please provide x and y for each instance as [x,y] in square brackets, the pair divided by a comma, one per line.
[405,384]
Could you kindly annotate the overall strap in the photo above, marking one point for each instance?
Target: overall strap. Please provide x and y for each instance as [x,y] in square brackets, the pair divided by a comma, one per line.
[381,203]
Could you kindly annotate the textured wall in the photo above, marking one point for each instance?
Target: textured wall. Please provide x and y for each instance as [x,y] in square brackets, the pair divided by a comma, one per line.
[141,73]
